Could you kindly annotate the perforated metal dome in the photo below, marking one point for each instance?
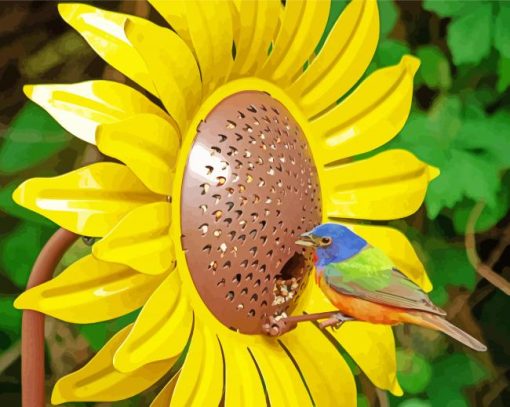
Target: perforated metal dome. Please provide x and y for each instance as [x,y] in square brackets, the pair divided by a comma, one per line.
[250,188]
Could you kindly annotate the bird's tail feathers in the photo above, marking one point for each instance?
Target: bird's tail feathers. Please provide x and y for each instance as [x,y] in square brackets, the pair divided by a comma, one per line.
[439,323]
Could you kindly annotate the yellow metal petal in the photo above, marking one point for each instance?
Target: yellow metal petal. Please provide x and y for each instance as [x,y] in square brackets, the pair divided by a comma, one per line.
[390,185]
[174,12]
[161,331]
[99,381]
[90,291]
[284,385]
[243,384]
[345,56]
[172,67]
[325,372]
[81,107]
[89,201]
[200,382]
[301,29]
[141,240]
[165,395]
[210,28]
[371,116]
[257,26]
[371,346]
[147,144]
[104,31]
[396,245]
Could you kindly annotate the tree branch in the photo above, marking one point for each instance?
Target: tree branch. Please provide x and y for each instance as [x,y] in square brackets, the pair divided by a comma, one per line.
[470,242]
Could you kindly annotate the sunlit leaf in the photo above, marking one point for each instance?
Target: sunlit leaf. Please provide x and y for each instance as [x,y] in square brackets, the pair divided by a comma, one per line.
[469,35]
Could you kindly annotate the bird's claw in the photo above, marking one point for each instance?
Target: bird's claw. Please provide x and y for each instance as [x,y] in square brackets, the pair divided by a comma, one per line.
[277,327]
[335,321]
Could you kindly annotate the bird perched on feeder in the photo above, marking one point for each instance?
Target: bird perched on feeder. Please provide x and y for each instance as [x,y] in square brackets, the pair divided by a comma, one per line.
[363,283]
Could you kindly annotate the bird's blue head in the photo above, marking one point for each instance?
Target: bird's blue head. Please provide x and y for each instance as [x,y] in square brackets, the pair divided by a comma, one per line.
[333,243]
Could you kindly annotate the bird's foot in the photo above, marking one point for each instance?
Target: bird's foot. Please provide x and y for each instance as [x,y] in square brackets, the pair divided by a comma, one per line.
[335,321]
[275,326]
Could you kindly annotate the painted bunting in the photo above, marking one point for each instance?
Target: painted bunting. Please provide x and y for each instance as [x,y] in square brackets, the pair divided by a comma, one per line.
[364,284]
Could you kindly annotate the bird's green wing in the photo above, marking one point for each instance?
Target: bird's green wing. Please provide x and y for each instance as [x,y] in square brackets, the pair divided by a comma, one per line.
[371,275]
[370,269]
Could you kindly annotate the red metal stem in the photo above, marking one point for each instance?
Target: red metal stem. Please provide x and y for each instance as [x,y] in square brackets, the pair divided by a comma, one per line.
[32,328]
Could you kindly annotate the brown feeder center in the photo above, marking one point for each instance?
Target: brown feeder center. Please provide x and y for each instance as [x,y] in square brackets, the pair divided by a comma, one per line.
[250,188]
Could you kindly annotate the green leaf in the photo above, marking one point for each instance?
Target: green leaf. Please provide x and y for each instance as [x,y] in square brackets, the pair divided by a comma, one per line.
[451,375]
[388,15]
[434,69]
[489,216]
[447,266]
[415,403]
[32,138]
[11,208]
[502,30]
[19,250]
[448,8]
[414,372]
[458,370]
[99,333]
[10,323]
[503,74]
[468,147]
[469,35]
[490,134]
[465,175]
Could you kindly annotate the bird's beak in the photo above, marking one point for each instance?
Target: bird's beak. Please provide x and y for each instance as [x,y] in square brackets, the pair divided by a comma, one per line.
[308,240]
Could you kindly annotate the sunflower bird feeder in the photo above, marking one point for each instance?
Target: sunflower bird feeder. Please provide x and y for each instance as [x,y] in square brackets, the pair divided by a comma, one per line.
[248,144]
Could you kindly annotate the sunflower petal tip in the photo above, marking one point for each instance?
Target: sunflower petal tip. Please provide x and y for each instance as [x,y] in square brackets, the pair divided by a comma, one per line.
[27,300]
[23,195]
[70,12]
[396,390]
[17,195]
[434,172]
[20,302]
[427,286]
[56,395]
[28,90]
[66,10]
[411,63]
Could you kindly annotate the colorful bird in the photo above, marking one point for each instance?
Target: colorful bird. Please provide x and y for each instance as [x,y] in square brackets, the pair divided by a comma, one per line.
[364,284]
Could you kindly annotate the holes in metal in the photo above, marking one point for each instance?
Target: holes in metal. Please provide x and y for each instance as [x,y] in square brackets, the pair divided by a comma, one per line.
[244,206]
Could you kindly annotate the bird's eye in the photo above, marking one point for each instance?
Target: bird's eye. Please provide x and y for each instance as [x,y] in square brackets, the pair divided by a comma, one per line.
[326,241]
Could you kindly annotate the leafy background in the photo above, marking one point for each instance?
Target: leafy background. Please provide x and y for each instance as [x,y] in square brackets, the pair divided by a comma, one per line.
[460,122]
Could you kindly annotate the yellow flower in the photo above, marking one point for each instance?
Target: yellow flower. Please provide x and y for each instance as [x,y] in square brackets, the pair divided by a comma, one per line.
[251,119]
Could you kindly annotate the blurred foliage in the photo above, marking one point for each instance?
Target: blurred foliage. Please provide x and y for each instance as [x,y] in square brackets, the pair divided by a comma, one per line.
[460,122]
